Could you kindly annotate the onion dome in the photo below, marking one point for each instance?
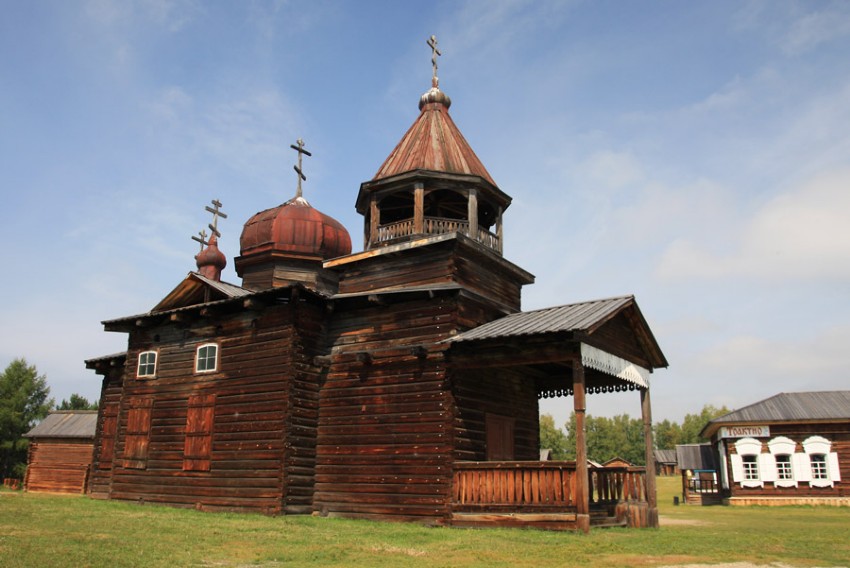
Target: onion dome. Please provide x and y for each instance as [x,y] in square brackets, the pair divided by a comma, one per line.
[211,261]
[294,229]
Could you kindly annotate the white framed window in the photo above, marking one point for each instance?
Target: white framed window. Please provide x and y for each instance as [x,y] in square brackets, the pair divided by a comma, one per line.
[784,471]
[822,464]
[783,450]
[147,364]
[206,359]
[751,467]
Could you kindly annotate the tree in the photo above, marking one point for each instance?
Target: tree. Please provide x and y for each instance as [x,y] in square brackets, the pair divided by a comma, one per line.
[606,438]
[693,424]
[77,402]
[23,401]
[553,438]
[667,434]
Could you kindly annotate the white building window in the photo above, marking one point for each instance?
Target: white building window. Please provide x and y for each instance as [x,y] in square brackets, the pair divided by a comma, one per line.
[822,464]
[147,364]
[751,467]
[206,360]
[783,450]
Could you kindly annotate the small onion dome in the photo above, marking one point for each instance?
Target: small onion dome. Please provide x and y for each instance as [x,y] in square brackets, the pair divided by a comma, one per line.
[434,95]
[295,228]
[211,261]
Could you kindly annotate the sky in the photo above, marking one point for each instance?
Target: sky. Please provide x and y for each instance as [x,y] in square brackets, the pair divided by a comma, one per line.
[694,154]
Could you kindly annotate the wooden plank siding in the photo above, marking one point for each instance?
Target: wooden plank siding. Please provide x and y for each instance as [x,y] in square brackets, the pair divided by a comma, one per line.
[112,389]
[58,465]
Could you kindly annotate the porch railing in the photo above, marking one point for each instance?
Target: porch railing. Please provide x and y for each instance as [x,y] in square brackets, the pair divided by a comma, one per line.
[436,226]
[529,486]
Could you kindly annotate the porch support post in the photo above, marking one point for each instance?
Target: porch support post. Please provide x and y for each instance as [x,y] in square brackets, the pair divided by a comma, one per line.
[419,208]
[582,479]
[651,496]
[472,213]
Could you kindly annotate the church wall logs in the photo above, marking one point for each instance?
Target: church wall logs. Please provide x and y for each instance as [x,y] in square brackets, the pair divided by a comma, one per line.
[262,438]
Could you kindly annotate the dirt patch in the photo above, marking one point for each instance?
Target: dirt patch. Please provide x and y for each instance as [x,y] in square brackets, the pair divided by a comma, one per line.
[671,522]
[730,565]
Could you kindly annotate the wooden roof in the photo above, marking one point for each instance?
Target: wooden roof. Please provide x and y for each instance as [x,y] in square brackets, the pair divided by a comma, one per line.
[665,456]
[433,143]
[695,456]
[66,424]
[192,291]
[815,406]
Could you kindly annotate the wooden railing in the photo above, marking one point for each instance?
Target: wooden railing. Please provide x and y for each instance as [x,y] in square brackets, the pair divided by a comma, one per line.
[436,226]
[514,485]
[528,486]
[616,484]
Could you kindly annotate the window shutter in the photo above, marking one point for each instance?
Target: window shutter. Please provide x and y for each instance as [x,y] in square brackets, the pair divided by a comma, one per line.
[767,468]
[802,468]
[737,468]
[199,426]
[138,433]
[834,471]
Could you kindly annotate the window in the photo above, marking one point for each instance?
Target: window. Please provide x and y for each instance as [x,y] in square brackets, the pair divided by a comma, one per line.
[819,471]
[751,467]
[199,427]
[207,358]
[147,364]
[783,467]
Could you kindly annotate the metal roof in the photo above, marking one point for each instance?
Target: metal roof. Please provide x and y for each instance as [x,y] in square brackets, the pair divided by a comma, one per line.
[695,456]
[66,424]
[571,317]
[789,407]
[666,456]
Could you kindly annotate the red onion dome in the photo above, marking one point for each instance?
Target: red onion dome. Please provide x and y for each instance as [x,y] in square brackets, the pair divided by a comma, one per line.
[211,261]
[295,228]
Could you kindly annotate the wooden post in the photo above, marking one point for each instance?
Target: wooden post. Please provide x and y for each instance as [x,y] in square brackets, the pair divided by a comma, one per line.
[472,214]
[499,230]
[374,221]
[651,496]
[419,208]
[582,480]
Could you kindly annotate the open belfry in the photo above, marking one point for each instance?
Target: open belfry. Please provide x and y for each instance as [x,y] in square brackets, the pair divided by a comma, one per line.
[396,383]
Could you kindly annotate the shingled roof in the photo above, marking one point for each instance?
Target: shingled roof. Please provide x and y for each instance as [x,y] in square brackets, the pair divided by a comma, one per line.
[789,407]
[66,424]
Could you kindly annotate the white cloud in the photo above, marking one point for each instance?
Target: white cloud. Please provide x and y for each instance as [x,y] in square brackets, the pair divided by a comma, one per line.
[803,234]
[816,28]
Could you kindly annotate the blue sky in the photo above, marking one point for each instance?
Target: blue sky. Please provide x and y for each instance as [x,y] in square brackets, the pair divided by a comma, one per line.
[695,154]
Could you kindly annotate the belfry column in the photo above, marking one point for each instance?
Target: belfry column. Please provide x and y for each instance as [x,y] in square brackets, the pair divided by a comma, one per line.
[582,479]
[472,213]
[419,208]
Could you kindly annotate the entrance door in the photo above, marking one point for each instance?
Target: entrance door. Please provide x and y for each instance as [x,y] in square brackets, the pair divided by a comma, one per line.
[500,437]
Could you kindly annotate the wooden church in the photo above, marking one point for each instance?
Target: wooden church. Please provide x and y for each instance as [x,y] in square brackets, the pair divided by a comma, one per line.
[397,383]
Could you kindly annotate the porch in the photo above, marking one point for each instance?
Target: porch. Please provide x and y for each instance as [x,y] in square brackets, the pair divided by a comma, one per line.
[546,495]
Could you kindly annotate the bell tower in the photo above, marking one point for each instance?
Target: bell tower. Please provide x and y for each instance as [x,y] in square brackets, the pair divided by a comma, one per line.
[432,183]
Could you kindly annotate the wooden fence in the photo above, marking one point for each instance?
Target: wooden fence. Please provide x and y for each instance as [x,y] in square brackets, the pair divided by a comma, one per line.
[436,226]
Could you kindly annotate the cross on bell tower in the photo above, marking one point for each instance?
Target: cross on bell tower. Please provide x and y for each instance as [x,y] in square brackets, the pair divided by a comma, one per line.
[432,43]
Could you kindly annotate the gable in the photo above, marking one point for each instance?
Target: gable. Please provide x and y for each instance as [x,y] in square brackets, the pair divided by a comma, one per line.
[197,289]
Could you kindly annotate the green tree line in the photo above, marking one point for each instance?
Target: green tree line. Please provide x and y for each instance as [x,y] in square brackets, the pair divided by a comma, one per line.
[622,436]
[24,401]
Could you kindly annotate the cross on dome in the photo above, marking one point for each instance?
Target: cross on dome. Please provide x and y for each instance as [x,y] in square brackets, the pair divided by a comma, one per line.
[201,239]
[301,152]
[216,214]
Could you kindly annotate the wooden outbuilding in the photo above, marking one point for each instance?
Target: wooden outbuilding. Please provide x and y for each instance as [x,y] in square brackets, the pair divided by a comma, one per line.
[666,462]
[789,449]
[698,466]
[397,383]
[60,452]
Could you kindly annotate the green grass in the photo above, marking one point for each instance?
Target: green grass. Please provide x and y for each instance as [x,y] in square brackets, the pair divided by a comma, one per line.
[52,530]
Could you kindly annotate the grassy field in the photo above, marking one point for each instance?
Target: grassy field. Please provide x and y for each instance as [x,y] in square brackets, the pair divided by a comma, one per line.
[52,530]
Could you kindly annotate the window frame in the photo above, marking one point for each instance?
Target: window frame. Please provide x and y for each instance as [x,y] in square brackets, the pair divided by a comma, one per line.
[820,468]
[206,358]
[750,464]
[152,374]
[784,468]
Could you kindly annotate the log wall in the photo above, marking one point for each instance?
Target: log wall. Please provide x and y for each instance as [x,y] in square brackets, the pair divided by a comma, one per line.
[58,465]
[112,388]
[837,433]
[263,423]
[384,438]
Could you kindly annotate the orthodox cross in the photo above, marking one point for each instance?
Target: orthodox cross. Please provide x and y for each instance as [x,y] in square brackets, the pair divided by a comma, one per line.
[432,43]
[216,214]
[301,151]
[202,239]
